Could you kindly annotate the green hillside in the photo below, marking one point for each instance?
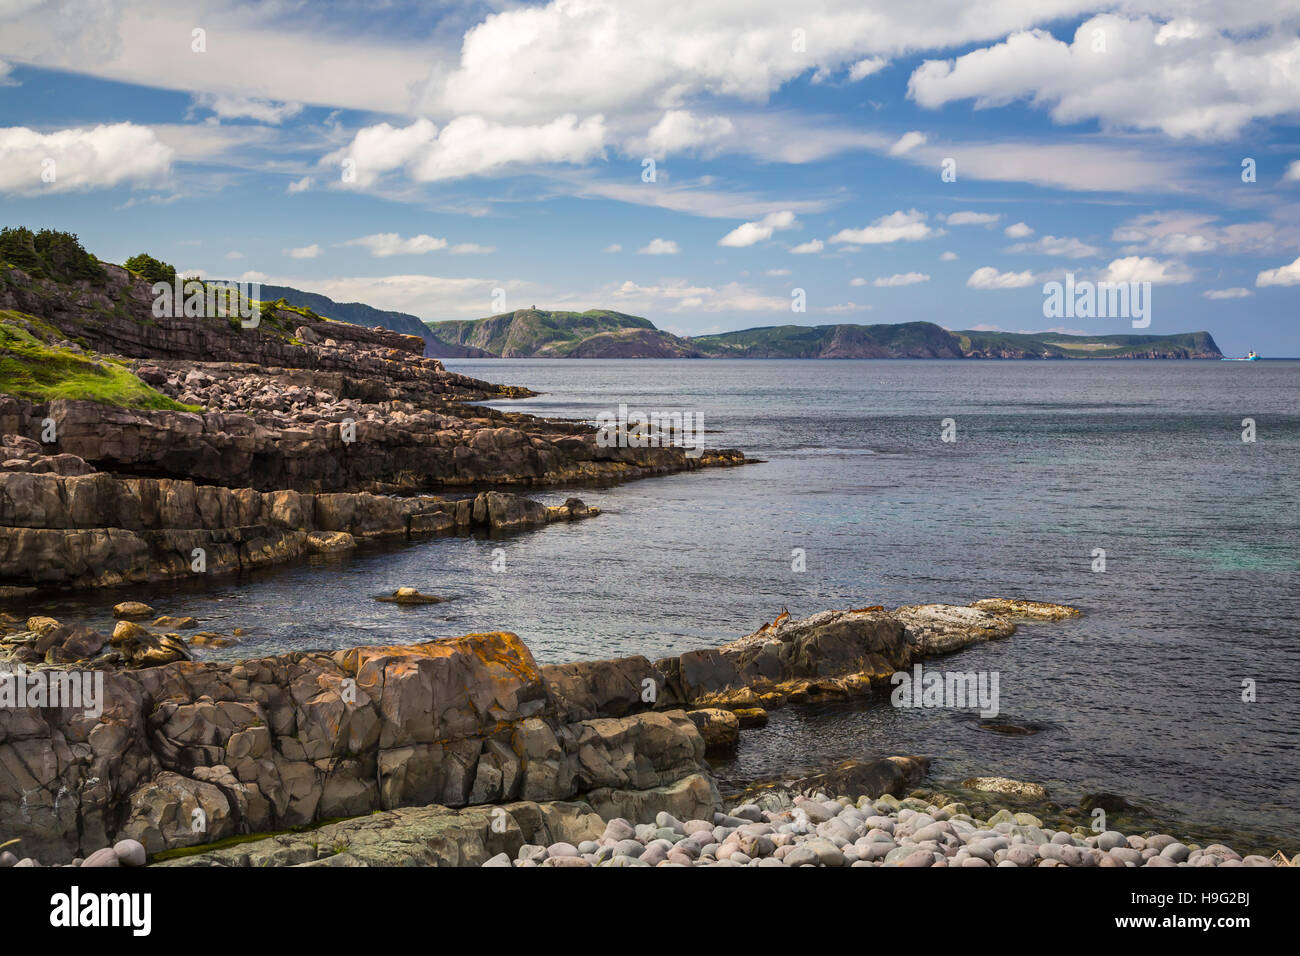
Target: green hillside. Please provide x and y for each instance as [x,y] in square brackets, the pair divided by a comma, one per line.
[533,332]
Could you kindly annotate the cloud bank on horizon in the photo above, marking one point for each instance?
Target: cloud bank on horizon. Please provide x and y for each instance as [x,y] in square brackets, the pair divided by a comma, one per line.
[698,163]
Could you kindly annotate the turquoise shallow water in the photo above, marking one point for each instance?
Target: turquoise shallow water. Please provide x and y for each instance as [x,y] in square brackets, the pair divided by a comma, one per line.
[1141,696]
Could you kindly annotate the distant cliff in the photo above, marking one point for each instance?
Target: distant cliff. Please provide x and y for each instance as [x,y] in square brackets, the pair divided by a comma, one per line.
[537,333]
[358,313]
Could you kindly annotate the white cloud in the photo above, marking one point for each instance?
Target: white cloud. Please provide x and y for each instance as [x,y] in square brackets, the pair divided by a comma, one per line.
[1292,174]
[304,252]
[751,233]
[471,249]
[864,68]
[1282,275]
[301,185]
[948,257]
[466,146]
[247,107]
[1057,246]
[857,282]
[902,278]
[987,277]
[81,158]
[1237,293]
[967,218]
[907,142]
[1018,230]
[897,226]
[677,295]
[1184,82]
[384,244]
[776,272]
[234,254]
[809,247]
[430,297]
[619,56]
[659,247]
[1146,269]
[614,247]
[680,131]
[1179,232]
[5,70]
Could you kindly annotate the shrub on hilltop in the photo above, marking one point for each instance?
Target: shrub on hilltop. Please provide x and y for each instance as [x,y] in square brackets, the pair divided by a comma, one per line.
[48,254]
[155,270]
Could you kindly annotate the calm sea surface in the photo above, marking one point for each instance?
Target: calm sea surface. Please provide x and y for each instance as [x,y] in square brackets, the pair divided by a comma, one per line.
[1141,696]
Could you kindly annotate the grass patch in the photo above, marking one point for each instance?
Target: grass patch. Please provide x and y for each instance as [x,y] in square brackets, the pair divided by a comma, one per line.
[32,368]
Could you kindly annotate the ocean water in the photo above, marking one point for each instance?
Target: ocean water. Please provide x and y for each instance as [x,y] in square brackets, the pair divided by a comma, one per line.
[1142,695]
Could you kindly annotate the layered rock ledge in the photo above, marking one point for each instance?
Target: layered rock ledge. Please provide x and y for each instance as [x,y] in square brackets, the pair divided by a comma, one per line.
[190,753]
[277,441]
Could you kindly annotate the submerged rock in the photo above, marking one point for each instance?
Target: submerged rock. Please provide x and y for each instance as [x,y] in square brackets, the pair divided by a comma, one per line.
[1020,788]
[410,596]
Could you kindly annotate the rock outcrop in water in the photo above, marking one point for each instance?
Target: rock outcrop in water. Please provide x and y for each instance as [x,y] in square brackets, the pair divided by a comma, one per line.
[297,430]
[291,740]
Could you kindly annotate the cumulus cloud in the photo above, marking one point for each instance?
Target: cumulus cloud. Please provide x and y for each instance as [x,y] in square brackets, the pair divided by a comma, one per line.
[1292,174]
[621,56]
[895,227]
[750,233]
[1057,246]
[384,244]
[613,247]
[81,158]
[1183,79]
[247,107]
[680,131]
[304,252]
[987,277]
[864,68]
[1018,230]
[466,146]
[776,272]
[659,247]
[1282,275]
[902,278]
[967,218]
[1237,293]
[1146,269]
[300,185]
[809,247]
[471,249]
[948,257]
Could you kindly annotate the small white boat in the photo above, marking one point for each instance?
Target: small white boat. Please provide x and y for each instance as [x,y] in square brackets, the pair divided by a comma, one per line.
[1249,357]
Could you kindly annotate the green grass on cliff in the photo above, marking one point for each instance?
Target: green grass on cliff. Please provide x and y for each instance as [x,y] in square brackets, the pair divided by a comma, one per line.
[32,368]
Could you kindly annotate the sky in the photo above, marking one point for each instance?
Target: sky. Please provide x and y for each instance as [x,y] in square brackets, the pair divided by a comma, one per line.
[711,165]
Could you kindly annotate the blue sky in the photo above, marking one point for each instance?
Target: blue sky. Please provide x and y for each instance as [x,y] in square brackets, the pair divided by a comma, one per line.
[422,156]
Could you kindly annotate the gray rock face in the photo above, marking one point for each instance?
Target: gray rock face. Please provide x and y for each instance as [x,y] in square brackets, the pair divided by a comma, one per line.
[99,530]
[186,753]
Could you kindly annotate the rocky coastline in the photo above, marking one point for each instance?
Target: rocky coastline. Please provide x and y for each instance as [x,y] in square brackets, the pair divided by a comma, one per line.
[246,446]
[295,436]
[467,752]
